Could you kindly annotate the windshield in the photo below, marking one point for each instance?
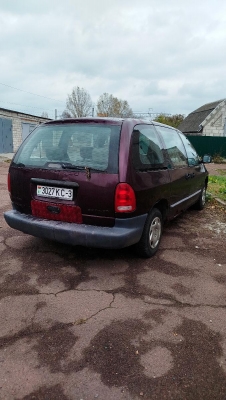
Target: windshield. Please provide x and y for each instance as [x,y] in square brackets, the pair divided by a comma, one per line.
[71,146]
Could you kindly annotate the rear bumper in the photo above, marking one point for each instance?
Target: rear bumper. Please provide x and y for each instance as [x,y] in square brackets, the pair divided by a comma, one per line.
[125,232]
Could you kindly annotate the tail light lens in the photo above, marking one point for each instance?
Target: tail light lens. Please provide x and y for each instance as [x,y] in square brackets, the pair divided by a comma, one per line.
[9,184]
[125,199]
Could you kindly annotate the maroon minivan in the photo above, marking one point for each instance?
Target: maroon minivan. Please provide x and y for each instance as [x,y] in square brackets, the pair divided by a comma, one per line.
[104,182]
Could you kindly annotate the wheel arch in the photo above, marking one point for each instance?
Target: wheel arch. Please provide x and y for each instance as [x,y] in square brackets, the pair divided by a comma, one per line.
[163,206]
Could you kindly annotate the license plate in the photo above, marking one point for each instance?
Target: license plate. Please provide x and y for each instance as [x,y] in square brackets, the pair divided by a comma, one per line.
[59,193]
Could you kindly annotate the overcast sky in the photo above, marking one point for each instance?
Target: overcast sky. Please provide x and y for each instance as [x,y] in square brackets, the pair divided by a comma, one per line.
[159,55]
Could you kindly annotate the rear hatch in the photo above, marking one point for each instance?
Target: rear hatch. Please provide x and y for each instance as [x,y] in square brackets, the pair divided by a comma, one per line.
[68,171]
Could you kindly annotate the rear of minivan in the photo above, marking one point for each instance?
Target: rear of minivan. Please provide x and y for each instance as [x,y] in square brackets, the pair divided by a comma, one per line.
[103,182]
[67,183]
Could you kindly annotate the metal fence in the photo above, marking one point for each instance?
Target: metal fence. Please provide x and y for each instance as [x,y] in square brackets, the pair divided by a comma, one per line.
[209,145]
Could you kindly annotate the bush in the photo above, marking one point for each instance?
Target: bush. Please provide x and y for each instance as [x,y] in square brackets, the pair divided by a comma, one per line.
[218,159]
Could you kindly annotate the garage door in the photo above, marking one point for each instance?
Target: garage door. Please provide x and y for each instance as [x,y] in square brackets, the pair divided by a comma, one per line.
[6,136]
[26,129]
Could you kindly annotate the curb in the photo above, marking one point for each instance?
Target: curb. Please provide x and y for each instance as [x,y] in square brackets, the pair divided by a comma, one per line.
[6,156]
[220,201]
[223,203]
[5,159]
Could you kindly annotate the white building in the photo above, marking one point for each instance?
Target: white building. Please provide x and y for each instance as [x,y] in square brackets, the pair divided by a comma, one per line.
[15,127]
[208,120]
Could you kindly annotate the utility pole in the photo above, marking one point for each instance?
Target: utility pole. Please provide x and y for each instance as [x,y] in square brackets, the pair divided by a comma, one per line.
[55,113]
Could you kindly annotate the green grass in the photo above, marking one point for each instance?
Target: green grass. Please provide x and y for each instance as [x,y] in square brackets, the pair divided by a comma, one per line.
[221,171]
[217,186]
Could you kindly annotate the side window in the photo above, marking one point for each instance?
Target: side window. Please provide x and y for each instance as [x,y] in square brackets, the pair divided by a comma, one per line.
[146,148]
[193,158]
[174,146]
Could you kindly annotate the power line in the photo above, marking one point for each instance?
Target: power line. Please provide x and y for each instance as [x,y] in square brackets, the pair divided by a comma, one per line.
[25,91]
[24,105]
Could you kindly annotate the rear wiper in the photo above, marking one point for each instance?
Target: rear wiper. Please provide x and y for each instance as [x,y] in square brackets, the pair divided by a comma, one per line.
[80,167]
[71,166]
[18,164]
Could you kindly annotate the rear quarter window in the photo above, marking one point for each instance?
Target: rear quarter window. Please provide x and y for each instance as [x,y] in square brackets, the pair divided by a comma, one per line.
[147,150]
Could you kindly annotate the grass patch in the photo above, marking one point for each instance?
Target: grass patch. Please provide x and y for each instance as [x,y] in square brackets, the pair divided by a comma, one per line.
[221,171]
[217,186]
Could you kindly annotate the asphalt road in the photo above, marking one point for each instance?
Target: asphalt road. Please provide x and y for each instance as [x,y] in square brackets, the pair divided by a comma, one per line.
[87,324]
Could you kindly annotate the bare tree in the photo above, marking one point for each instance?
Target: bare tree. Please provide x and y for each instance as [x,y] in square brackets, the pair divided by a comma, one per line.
[44,114]
[110,106]
[104,105]
[123,109]
[65,114]
[79,103]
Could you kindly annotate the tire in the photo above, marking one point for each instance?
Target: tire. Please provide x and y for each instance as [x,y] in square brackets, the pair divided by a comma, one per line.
[151,236]
[200,204]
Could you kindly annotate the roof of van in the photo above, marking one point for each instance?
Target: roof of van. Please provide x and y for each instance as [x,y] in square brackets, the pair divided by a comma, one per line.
[85,119]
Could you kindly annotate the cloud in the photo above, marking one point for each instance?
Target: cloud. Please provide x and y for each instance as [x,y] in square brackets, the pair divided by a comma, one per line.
[161,55]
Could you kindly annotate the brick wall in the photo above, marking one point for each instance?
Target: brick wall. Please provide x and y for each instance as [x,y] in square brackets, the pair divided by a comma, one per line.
[214,123]
[17,120]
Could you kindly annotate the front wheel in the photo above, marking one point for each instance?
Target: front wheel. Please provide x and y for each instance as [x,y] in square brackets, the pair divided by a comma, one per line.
[200,204]
[151,236]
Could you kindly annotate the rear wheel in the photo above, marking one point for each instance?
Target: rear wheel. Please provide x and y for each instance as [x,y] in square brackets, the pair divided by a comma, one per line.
[200,204]
[151,236]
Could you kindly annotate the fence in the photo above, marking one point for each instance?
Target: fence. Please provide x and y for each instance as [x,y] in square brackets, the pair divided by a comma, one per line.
[209,145]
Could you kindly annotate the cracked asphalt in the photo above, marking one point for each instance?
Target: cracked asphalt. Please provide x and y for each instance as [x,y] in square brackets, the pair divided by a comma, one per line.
[83,324]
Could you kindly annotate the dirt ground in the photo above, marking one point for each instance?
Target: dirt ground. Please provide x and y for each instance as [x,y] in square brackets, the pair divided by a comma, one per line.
[84,324]
[216,169]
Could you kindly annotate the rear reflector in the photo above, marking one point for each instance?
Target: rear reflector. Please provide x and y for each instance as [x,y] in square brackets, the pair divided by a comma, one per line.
[56,211]
[125,200]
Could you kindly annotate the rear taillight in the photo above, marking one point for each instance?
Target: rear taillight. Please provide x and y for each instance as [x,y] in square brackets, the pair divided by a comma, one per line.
[9,184]
[125,199]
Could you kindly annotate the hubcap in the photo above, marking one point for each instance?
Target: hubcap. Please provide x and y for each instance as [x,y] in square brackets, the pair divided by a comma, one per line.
[203,196]
[155,232]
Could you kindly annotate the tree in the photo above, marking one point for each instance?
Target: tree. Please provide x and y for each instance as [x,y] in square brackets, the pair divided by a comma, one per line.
[65,114]
[44,114]
[110,106]
[79,103]
[172,120]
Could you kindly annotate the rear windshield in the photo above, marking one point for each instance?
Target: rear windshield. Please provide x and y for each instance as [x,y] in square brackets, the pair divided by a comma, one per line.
[72,146]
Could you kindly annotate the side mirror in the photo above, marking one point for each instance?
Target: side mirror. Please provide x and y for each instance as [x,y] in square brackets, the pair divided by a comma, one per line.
[207,159]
